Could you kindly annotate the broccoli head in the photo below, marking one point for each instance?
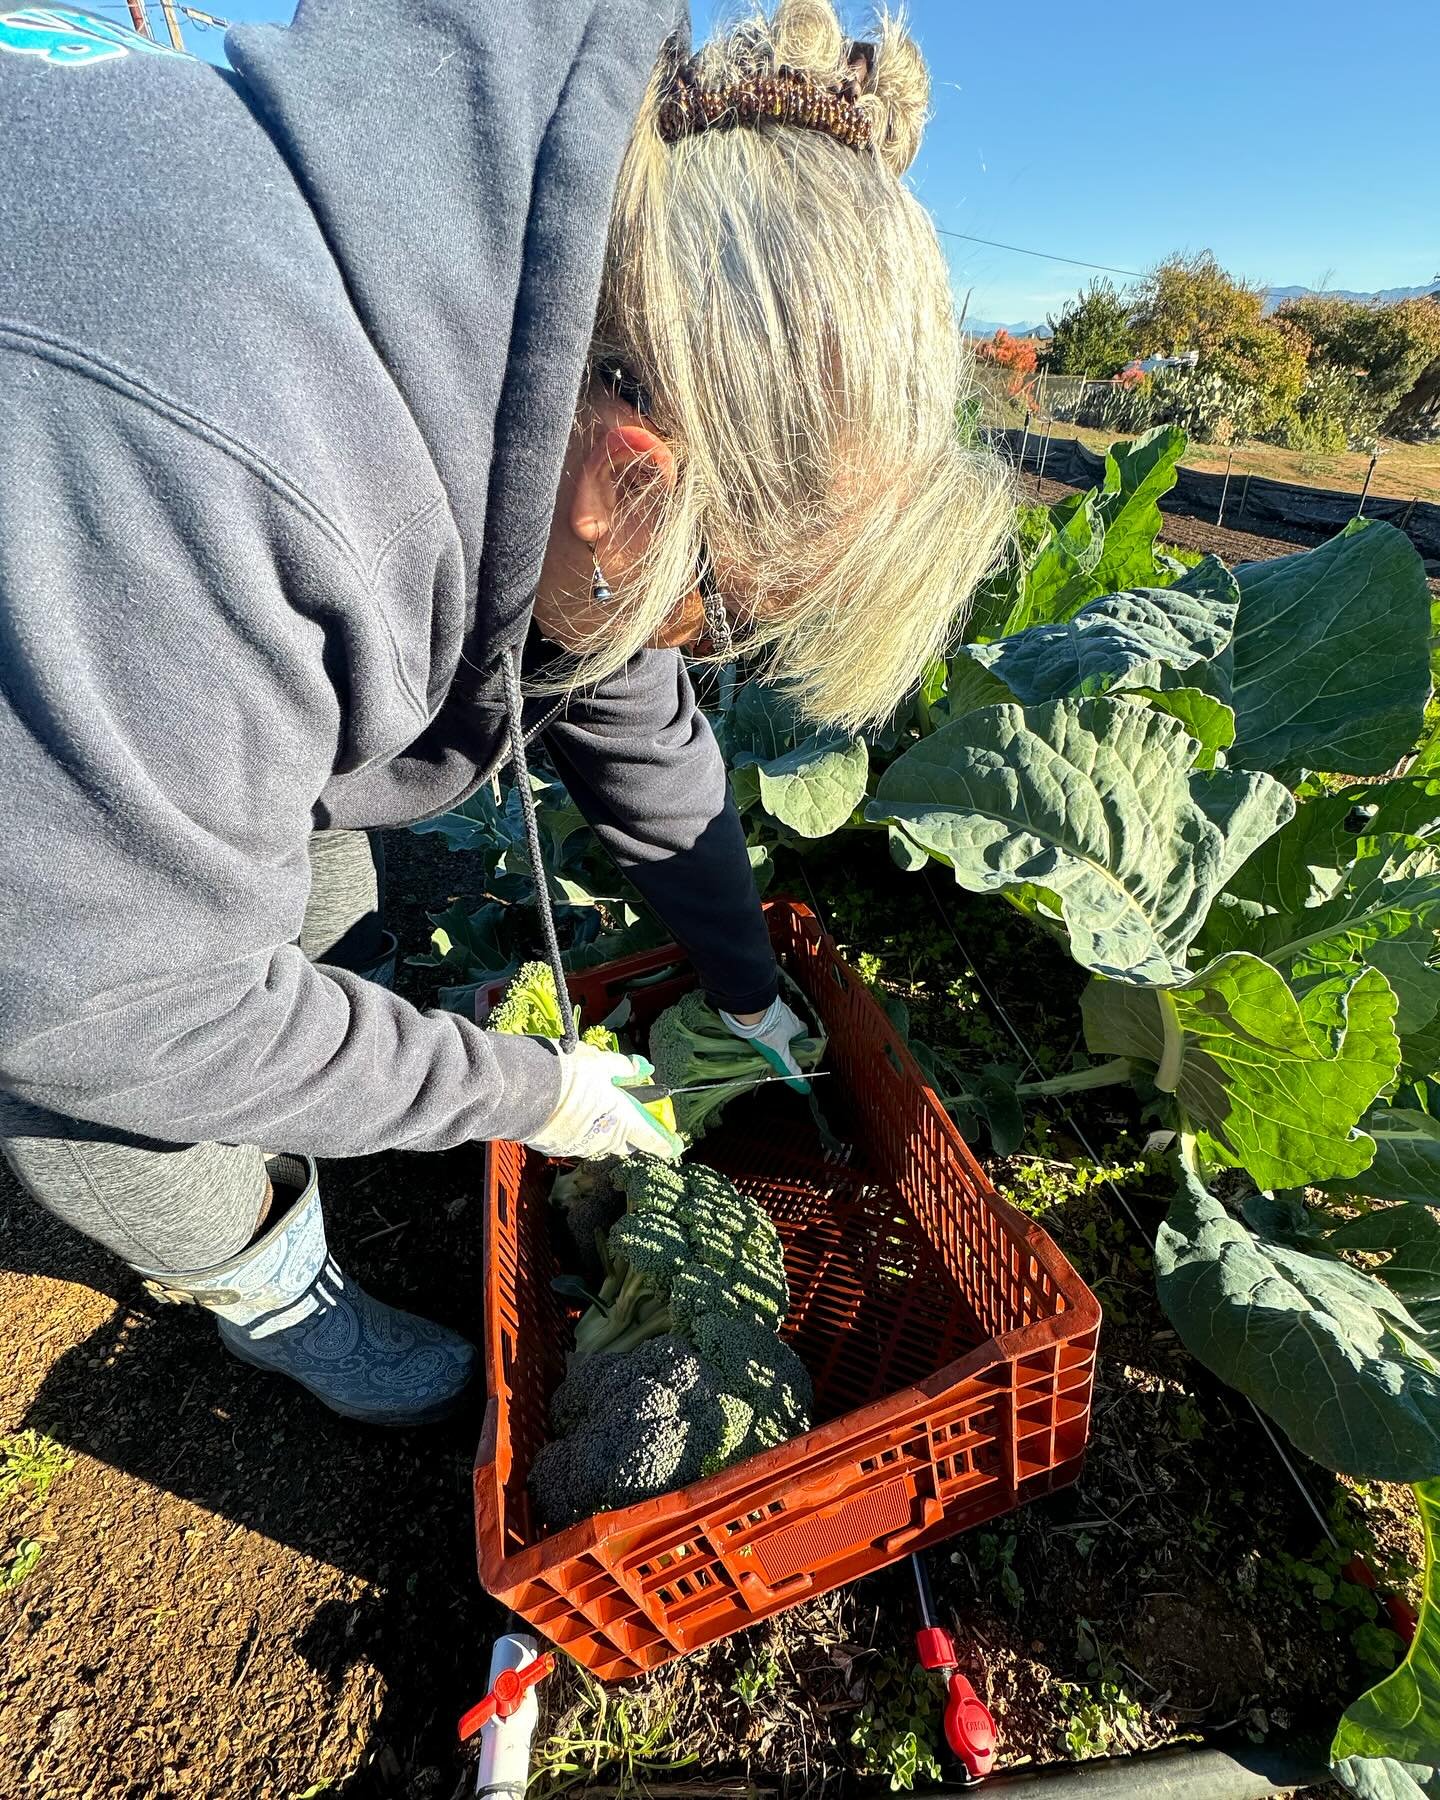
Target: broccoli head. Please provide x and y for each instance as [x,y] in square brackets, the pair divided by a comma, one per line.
[630,1427]
[692,1048]
[677,1371]
[762,1370]
[688,1243]
[589,1203]
[530,1007]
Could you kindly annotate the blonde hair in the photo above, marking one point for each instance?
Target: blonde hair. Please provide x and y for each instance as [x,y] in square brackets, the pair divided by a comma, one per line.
[784,301]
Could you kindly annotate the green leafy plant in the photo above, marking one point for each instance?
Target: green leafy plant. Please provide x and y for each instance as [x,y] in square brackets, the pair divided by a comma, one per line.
[756,1677]
[897,1730]
[599,916]
[1122,753]
[1388,1743]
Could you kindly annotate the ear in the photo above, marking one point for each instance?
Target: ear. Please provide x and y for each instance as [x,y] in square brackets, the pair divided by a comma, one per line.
[626,472]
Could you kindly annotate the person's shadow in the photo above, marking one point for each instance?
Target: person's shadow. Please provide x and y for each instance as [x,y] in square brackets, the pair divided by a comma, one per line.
[151,1392]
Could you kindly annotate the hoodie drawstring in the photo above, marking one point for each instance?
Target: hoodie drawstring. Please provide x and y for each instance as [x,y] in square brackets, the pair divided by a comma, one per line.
[515,708]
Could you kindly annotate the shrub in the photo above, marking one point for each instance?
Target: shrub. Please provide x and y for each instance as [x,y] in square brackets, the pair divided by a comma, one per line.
[1092,336]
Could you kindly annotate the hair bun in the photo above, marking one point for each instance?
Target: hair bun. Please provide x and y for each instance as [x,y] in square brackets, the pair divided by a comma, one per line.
[897,94]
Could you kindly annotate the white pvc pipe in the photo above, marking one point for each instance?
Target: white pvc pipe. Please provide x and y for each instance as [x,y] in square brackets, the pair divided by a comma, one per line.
[504,1766]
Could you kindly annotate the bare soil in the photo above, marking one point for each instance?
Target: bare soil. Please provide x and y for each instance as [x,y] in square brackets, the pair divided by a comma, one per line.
[238,1595]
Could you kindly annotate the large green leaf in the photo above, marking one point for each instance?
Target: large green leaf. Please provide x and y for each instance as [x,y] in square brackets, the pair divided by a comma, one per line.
[1058,576]
[1326,1349]
[815,787]
[968,687]
[1274,1083]
[1385,912]
[1208,720]
[1120,641]
[1330,655]
[1388,1743]
[1136,475]
[1406,1164]
[1095,801]
[811,783]
[1304,862]
[1402,1244]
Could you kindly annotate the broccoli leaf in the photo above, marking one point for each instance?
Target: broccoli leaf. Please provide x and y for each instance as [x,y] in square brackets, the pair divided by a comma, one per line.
[1276,1083]
[473,943]
[1388,1743]
[1403,1243]
[969,686]
[1327,1350]
[1208,720]
[1331,666]
[810,782]
[1056,579]
[1124,640]
[1136,475]
[1095,801]
[1406,1164]
[1390,893]
[815,787]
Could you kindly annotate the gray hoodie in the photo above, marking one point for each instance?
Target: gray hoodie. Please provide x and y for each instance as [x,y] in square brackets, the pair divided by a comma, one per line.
[288,360]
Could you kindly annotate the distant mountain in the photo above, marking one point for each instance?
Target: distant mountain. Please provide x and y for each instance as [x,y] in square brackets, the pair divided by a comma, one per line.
[1385,297]
[986,328]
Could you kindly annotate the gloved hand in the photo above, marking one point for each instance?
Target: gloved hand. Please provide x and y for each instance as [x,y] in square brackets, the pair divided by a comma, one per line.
[596,1117]
[771,1035]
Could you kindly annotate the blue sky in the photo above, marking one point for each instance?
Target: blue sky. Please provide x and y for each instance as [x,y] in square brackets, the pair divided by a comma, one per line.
[1297,142]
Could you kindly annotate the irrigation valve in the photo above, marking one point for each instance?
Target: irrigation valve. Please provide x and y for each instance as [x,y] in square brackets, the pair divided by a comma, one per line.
[969,1727]
[507,1696]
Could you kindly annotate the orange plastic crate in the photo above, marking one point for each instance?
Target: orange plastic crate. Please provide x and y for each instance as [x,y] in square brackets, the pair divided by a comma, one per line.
[952,1348]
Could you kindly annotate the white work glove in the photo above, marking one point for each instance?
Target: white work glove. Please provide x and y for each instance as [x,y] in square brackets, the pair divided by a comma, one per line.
[771,1035]
[596,1117]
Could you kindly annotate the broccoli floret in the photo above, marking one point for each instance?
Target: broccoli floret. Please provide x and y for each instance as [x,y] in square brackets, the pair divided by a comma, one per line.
[688,1243]
[631,1427]
[589,1202]
[530,1007]
[762,1370]
[692,1048]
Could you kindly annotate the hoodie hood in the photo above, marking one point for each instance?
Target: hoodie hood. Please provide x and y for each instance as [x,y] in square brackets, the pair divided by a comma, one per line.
[475,268]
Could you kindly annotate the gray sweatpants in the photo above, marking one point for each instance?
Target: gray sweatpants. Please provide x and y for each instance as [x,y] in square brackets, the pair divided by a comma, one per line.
[182,1208]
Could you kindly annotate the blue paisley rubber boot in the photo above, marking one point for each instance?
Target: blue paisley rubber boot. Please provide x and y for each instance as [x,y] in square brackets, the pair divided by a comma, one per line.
[282,1304]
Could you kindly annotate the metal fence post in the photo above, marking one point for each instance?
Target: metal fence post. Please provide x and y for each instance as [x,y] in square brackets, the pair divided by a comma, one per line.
[1044,453]
[1025,440]
[1244,496]
[1369,476]
[1225,487]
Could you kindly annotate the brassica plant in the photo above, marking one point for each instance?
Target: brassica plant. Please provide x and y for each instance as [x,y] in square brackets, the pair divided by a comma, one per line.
[1125,752]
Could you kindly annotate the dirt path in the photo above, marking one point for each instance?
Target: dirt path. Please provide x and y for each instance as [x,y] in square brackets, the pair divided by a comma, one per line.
[238,1594]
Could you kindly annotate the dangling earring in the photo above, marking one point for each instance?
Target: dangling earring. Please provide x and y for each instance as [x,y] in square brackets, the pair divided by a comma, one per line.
[717,625]
[599,587]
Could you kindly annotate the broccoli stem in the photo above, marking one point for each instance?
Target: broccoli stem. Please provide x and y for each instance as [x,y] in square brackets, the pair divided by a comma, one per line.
[658,1323]
[601,1326]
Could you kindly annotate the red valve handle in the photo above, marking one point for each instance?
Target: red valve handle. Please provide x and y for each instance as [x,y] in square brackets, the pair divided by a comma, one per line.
[510,1689]
[969,1726]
